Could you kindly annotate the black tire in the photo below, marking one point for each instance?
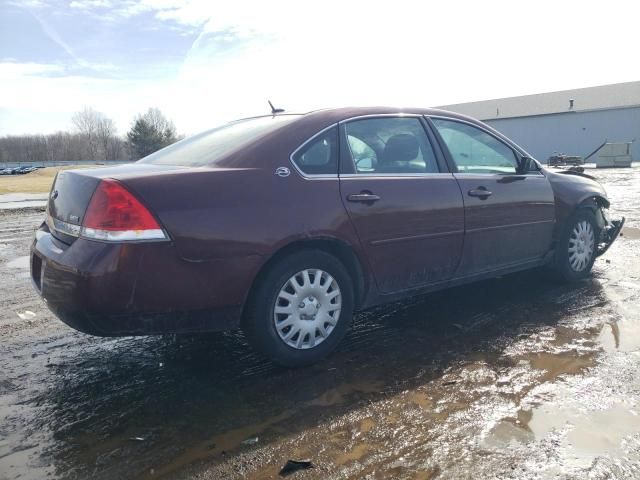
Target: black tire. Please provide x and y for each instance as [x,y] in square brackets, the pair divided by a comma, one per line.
[563,265]
[258,321]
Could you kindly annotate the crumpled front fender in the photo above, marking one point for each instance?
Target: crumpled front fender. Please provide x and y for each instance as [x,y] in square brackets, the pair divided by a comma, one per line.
[609,232]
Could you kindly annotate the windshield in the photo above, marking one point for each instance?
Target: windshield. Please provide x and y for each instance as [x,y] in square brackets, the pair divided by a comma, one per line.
[208,148]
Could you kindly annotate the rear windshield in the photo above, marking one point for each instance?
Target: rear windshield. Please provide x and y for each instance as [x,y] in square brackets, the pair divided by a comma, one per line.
[208,148]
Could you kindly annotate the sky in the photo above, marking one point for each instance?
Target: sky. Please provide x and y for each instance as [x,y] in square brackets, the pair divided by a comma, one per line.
[205,62]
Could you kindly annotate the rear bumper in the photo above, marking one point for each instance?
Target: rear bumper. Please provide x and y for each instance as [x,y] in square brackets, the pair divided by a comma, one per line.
[111,289]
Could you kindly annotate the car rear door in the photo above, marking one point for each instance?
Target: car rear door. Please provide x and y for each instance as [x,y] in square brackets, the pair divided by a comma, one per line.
[509,215]
[406,208]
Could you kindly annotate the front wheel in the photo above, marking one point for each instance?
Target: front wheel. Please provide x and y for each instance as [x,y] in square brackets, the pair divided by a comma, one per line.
[301,308]
[576,249]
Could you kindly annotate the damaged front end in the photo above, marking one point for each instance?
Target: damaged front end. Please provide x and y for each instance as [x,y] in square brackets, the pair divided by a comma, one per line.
[609,230]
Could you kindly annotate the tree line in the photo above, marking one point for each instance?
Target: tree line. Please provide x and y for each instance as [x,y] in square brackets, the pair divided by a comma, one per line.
[94,138]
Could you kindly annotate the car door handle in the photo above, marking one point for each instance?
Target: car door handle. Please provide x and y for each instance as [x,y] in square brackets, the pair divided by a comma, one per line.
[480,192]
[364,197]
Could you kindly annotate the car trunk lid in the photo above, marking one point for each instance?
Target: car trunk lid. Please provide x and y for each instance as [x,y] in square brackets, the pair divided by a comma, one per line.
[72,191]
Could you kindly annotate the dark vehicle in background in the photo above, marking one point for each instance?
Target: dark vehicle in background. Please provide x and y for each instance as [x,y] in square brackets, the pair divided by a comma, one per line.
[285,225]
[561,160]
[18,170]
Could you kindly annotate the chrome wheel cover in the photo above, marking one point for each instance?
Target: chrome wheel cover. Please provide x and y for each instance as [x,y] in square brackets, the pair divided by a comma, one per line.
[307,309]
[581,246]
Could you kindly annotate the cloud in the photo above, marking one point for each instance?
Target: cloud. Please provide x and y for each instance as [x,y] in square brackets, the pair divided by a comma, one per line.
[11,70]
[27,3]
[90,4]
[334,53]
[53,35]
[44,96]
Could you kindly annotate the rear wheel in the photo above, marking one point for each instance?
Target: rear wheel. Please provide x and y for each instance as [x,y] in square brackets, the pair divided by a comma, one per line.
[576,249]
[301,308]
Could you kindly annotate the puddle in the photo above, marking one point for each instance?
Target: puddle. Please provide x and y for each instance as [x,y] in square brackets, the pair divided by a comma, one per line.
[588,434]
[555,365]
[622,336]
[505,433]
[339,395]
[367,425]
[631,233]
[19,263]
[354,454]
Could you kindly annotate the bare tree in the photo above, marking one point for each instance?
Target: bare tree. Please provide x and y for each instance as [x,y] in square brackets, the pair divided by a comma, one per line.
[106,133]
[160,123]
[98,130]
[87,123]
[94,138]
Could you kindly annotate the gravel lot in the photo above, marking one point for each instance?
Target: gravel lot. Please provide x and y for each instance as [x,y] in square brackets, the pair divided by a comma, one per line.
[519,377]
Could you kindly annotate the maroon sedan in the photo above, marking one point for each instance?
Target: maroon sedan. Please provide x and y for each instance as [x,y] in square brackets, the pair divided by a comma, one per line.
[285,225]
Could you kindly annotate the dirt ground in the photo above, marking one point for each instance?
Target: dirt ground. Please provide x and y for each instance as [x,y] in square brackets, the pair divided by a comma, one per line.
[519,377]
[38,181]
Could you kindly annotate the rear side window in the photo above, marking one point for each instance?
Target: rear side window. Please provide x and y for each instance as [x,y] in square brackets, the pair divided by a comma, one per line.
[320,155]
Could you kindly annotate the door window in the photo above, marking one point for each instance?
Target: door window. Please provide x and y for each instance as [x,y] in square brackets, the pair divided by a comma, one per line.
[390,145]
[320,155]
[474,150]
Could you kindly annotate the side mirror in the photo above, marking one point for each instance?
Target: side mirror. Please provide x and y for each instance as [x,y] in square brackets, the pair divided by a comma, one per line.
[525,164]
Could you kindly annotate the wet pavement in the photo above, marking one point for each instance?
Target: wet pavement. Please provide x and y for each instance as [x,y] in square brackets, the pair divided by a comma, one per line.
[519,377]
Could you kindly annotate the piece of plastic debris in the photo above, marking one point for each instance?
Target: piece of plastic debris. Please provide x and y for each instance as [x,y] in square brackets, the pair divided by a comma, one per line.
[294,465]
[161,364]
[250,441]
[26,315]
[457,325]
[137,439]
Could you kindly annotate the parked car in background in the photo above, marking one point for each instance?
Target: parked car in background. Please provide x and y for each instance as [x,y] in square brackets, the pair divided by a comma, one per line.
[284,225]
[23,170]
[18,170]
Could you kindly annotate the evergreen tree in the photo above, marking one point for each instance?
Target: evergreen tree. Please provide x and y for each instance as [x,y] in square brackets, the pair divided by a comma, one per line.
[150,132]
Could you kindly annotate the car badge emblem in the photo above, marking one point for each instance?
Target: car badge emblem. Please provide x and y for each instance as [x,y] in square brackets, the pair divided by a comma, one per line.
[283,172]
[54,194]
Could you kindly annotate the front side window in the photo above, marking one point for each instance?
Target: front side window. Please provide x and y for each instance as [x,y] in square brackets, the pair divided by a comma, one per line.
[474,150]
[320,155]
[390,145]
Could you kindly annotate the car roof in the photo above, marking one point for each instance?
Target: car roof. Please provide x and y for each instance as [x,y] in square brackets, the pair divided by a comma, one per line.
[350,112]
[332,115]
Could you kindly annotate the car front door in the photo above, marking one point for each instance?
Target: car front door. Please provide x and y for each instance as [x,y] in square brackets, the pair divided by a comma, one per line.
[509,214]
[406,208]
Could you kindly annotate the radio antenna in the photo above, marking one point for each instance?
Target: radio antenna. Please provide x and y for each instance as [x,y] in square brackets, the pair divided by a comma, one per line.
[275,110]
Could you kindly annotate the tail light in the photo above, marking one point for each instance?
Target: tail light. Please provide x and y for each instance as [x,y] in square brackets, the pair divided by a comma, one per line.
[115,214]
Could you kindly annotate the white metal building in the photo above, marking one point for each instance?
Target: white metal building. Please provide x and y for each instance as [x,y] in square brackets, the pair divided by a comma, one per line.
[573,122]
